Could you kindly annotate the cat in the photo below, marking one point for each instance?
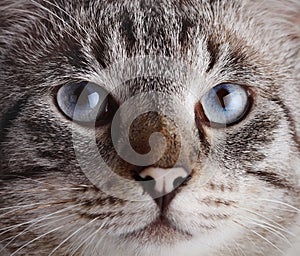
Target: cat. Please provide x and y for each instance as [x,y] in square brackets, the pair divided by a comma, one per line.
[149,127]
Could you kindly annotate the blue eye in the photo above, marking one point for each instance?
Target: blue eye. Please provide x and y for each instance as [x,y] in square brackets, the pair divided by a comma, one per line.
[225,104]
[85,102]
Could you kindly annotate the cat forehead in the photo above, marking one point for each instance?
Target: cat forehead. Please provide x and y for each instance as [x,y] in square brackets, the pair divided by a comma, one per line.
[213,38]
[186,31]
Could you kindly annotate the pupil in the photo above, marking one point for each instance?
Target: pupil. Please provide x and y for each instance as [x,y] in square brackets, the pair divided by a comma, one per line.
[79,97]
[222,93]
[83,98]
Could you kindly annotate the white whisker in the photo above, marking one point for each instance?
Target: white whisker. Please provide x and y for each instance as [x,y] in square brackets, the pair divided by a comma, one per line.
[265,239]
[259,235]
[7,229]
[269,225]
[74,233]
[281,203]
[31,206]
[230,250]
[32,225]
[239,249]
[251,241]
[277,225]
[20,176]
[19,207]
[37,238]
[270,229]
[42,182]
[85,240]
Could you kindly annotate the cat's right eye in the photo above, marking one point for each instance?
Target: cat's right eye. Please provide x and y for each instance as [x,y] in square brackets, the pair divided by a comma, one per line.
[225,105]
[86,103]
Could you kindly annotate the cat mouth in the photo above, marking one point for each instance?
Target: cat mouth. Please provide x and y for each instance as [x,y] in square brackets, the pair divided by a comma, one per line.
[160,229]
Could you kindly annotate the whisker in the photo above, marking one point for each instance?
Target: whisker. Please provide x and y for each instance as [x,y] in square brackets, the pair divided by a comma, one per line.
[251,241]
[19,207]
[7,229]
[43,189]
[37,238]
[92,235]
[259,235]
[20,176]
[57,187]
[277,225]
[82,243]
[265,239]
[32,225]
[270,229]
[272,226]
[74,233]
[31,206]
[279,202]
[239,249]
[230,250]
[280,208]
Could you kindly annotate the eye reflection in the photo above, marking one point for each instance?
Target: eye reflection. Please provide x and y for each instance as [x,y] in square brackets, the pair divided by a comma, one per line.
[85,103]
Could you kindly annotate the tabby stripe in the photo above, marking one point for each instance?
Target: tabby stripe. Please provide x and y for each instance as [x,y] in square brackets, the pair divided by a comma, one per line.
[272,178]
[12,113]
[290,119]
[127,32]
[213,49]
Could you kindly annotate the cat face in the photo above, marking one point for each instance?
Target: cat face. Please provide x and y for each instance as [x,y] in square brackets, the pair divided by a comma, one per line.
[149,128]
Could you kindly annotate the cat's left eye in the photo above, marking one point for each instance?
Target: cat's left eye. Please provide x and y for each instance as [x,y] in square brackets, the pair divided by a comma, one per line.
[86,103]
[225,105]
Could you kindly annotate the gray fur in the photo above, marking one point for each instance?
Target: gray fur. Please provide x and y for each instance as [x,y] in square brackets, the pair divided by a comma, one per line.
[44,45]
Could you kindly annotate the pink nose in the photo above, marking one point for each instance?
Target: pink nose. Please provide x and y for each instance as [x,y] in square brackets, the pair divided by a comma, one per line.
[166,180]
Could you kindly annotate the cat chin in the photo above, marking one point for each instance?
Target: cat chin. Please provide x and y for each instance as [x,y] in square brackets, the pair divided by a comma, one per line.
[161,238]
[180,245]
[160,231]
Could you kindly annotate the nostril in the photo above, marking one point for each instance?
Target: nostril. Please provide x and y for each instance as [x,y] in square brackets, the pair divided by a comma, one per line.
[178,181]
[148,184]
[147,178]
[166,180]
[162,184]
